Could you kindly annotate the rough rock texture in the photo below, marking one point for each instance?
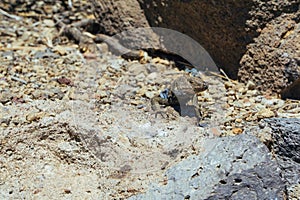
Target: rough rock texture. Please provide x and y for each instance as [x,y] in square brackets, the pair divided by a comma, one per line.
[229,168]
[286,146]
[218,25]
[264,11]
[74,125]
[119,15]
[224,28]
[116,17]
[225,40]
[282,136]
[245,185]
[68,152]
[272,62]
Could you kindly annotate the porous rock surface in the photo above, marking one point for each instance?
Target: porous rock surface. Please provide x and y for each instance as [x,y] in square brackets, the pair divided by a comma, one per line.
[286,146]
[272,61]
[223,28]
[281,135]
[121,19]
[229,168]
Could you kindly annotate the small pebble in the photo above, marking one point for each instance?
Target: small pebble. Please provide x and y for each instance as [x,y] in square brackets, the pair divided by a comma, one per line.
[237,131]
[250,85]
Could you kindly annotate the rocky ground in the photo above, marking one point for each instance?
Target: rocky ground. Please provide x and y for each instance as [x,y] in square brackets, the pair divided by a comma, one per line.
[77,125]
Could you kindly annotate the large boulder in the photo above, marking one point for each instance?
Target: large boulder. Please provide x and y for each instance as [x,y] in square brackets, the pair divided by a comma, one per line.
[282,137]
[286,146]
[223,28]
[261,36]
[273,60]
[120,18]
[119,15]
[237,167]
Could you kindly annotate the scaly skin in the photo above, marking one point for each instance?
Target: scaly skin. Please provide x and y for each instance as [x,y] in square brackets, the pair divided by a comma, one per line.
[182,96]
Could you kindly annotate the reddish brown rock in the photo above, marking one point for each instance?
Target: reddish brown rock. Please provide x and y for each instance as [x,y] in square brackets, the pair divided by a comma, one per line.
[122,18]
[272,61]
[224,27]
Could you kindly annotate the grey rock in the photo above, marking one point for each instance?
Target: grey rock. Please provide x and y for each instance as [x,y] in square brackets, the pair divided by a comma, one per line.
[237,167]
[116,63]
[256,183]
[286,146]
[286,134]
[47,54]
[5,96]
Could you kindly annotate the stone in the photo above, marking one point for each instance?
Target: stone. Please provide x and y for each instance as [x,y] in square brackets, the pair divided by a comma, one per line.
[265,113]
[49,22]
[250,85]
[137,68]
[227,168]
[125,19]
[150,94]
[218,36]
[5,96]
[237,130]
[272,60]
[286,144]
[34,116]
[244,185]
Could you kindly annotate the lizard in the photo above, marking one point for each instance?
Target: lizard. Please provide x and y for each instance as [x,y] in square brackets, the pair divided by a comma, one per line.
[182,96]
